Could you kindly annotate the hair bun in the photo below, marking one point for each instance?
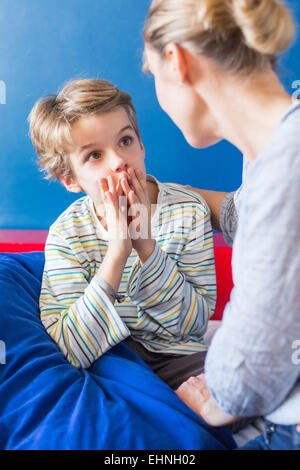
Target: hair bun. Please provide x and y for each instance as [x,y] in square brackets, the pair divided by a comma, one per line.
[267,25]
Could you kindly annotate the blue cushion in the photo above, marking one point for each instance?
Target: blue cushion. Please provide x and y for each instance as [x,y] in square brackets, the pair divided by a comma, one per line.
[46,403]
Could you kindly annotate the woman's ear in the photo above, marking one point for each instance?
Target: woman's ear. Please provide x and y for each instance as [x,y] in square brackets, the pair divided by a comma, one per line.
[175,56]
[186,67]
[70,184]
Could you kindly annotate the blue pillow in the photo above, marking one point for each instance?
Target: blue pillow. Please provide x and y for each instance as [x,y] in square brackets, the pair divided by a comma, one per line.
[46,403]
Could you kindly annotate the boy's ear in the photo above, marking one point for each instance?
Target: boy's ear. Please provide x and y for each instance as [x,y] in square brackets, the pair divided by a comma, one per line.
[70,184]
[143,148]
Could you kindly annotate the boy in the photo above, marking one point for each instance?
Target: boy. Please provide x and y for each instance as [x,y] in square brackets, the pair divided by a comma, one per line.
[104,280]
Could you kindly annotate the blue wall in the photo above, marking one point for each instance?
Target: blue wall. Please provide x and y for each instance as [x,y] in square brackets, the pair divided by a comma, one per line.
[45,43]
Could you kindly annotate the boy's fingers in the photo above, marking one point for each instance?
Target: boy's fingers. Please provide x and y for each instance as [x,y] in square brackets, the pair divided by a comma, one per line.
[141,178]
[110,184]
[108,191]
[103,189]
[132,198]
[136,183]
[129,193]
[125,185]
[103,185]
[119,187]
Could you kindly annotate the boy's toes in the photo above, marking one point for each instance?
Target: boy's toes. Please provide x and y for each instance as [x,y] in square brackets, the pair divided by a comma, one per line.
[187,392]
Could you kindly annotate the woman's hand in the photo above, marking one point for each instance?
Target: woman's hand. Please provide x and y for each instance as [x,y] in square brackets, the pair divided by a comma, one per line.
[139,213]
[115,204]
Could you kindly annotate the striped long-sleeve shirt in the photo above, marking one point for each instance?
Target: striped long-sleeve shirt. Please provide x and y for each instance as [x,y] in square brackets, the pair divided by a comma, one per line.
[169,299]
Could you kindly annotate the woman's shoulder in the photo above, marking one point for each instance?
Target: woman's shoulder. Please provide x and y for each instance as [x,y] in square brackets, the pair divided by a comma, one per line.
[270,198]
[286,138]
[279,163]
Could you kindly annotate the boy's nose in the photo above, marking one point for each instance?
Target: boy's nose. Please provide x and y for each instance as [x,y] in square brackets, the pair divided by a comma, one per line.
[118,164]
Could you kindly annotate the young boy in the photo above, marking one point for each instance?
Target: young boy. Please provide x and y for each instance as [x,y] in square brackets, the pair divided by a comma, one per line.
[133,260]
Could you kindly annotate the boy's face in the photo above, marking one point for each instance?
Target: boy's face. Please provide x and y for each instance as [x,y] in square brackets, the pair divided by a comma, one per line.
[103,145]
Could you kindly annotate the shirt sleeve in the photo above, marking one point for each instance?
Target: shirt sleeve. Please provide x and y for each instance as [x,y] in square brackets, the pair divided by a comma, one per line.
[228,218]
[230,208]
[179,295]
[75,310]
[249,368]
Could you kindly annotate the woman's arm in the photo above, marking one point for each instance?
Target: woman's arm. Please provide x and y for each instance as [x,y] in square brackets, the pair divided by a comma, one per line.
[214,201]
[224,216]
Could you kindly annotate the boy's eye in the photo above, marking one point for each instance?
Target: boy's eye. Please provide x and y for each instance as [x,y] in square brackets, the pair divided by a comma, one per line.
[126,141]
[93,156]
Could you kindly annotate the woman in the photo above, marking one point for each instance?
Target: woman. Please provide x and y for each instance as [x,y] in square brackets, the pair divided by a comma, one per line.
[213,62]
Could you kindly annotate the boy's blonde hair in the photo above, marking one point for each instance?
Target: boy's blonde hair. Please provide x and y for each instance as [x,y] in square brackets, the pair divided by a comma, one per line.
[240,35]
[52,117]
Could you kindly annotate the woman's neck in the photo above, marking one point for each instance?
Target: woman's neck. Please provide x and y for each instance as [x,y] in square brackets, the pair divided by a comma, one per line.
[249,110]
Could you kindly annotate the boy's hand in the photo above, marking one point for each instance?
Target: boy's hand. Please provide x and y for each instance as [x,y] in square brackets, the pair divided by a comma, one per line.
[139,212]
[115,204]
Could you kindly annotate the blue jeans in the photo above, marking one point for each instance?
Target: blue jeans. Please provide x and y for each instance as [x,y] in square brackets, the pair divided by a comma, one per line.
[275,437]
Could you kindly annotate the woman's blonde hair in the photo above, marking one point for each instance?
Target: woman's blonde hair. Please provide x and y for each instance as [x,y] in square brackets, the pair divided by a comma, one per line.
[239,35]
[52,117]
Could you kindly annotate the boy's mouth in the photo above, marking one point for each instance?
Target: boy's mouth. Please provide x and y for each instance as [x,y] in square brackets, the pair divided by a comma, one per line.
[130,183]
[129,179]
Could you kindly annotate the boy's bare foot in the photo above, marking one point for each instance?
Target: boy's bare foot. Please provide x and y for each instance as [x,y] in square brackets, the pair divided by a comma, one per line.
[194,393]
